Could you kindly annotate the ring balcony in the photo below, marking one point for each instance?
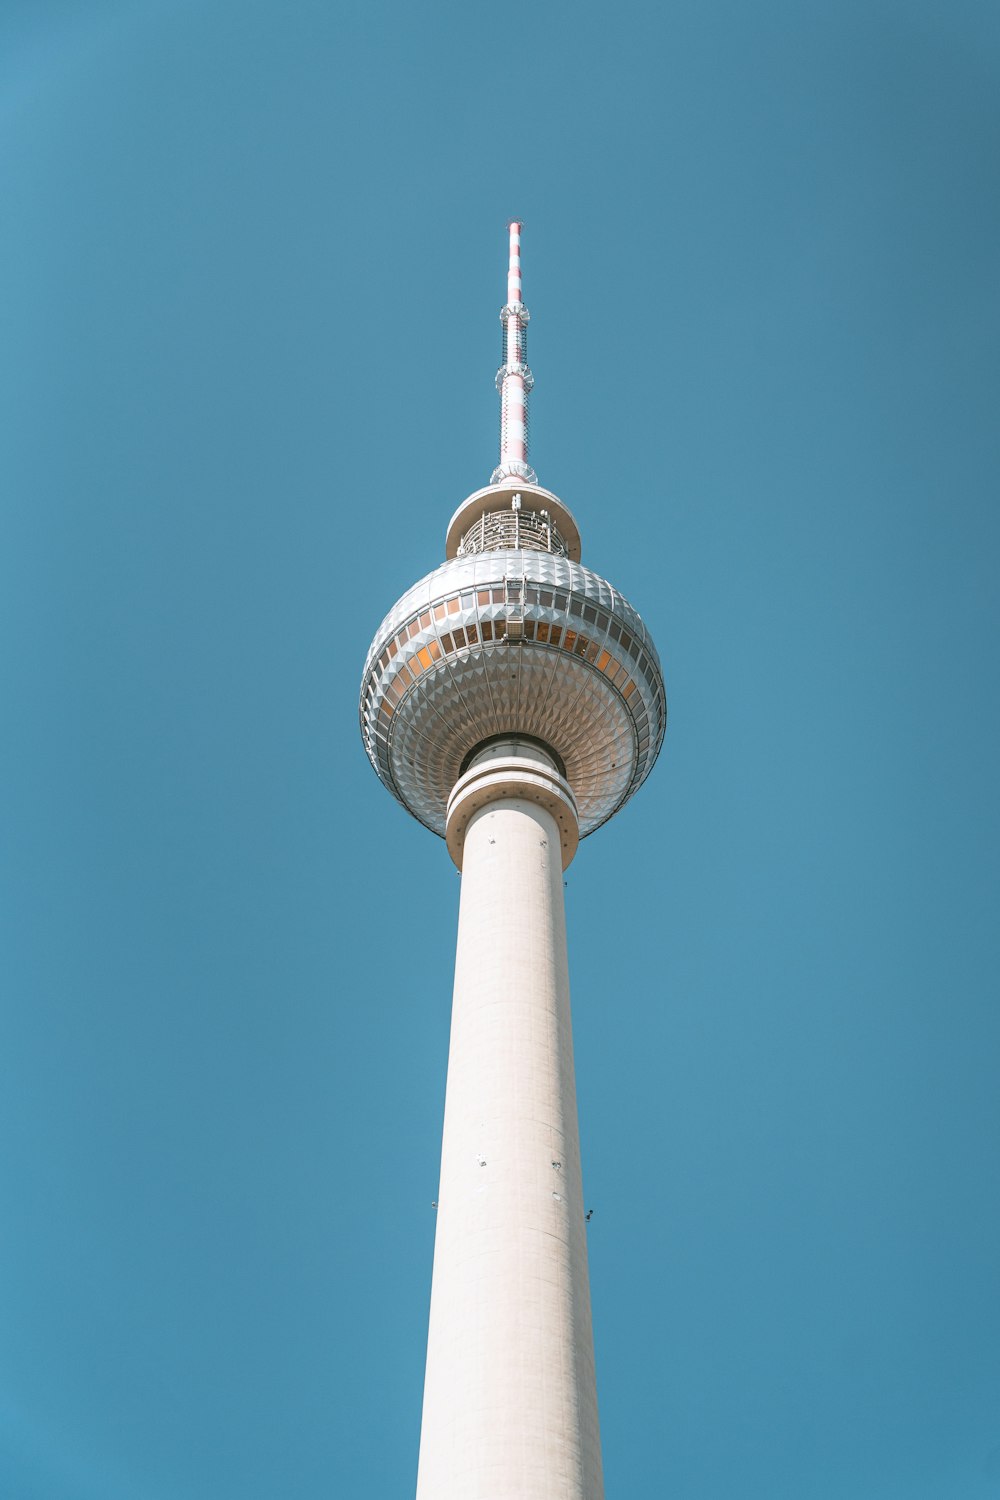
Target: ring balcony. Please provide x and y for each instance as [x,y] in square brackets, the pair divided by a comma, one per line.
[501,504]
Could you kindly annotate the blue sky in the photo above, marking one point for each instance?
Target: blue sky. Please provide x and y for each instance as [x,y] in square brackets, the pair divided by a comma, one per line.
[251,260]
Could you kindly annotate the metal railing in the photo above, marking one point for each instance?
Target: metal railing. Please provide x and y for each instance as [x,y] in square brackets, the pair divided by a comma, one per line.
[531,530]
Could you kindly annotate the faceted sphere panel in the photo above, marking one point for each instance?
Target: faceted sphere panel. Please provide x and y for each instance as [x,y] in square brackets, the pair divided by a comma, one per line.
[512,641]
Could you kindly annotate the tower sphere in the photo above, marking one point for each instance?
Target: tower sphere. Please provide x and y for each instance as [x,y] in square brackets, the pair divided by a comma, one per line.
[512,635]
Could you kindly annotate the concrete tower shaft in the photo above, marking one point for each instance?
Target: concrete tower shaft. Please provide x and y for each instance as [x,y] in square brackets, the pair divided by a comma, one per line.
[510,1399]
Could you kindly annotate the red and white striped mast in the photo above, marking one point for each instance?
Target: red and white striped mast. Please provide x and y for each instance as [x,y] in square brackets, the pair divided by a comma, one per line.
[514,378]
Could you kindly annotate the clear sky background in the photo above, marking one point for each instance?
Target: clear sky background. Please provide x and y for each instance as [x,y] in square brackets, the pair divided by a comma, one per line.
[251,261]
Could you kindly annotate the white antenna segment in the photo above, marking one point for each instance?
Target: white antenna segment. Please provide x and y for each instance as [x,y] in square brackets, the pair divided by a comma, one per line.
[514,377]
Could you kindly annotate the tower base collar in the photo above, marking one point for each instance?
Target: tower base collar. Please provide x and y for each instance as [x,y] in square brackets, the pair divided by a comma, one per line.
[512,776]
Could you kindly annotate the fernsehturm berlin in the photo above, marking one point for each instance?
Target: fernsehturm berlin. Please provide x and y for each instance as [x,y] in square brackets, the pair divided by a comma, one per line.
[512,701]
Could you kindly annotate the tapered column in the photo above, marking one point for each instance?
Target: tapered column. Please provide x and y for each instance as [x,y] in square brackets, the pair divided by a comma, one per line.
[510,1405]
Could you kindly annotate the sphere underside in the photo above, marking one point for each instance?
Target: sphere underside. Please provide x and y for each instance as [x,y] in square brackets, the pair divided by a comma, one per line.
[512,642]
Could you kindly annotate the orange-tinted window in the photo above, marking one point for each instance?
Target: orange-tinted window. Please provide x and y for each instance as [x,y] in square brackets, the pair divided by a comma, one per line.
[439,611]
[453,606]
[470,631]
[602,660]
[483,596]
[556,633]
[542,631]
[435,650]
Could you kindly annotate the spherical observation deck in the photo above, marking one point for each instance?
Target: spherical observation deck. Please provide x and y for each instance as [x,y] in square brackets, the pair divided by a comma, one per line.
[516,639]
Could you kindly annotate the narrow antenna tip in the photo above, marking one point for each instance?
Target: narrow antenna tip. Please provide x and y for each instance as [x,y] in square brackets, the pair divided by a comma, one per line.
[515,223]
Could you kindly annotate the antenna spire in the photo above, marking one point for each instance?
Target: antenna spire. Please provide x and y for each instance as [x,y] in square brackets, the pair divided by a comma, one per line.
[514,378]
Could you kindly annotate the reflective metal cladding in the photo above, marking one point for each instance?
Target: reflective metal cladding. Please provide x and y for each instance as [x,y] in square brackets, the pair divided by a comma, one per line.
[512,640]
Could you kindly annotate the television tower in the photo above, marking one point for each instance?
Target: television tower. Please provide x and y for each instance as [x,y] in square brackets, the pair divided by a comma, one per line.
[512,701]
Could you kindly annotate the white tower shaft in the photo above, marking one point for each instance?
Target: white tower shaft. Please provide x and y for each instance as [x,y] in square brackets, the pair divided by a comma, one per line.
[510,1402]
